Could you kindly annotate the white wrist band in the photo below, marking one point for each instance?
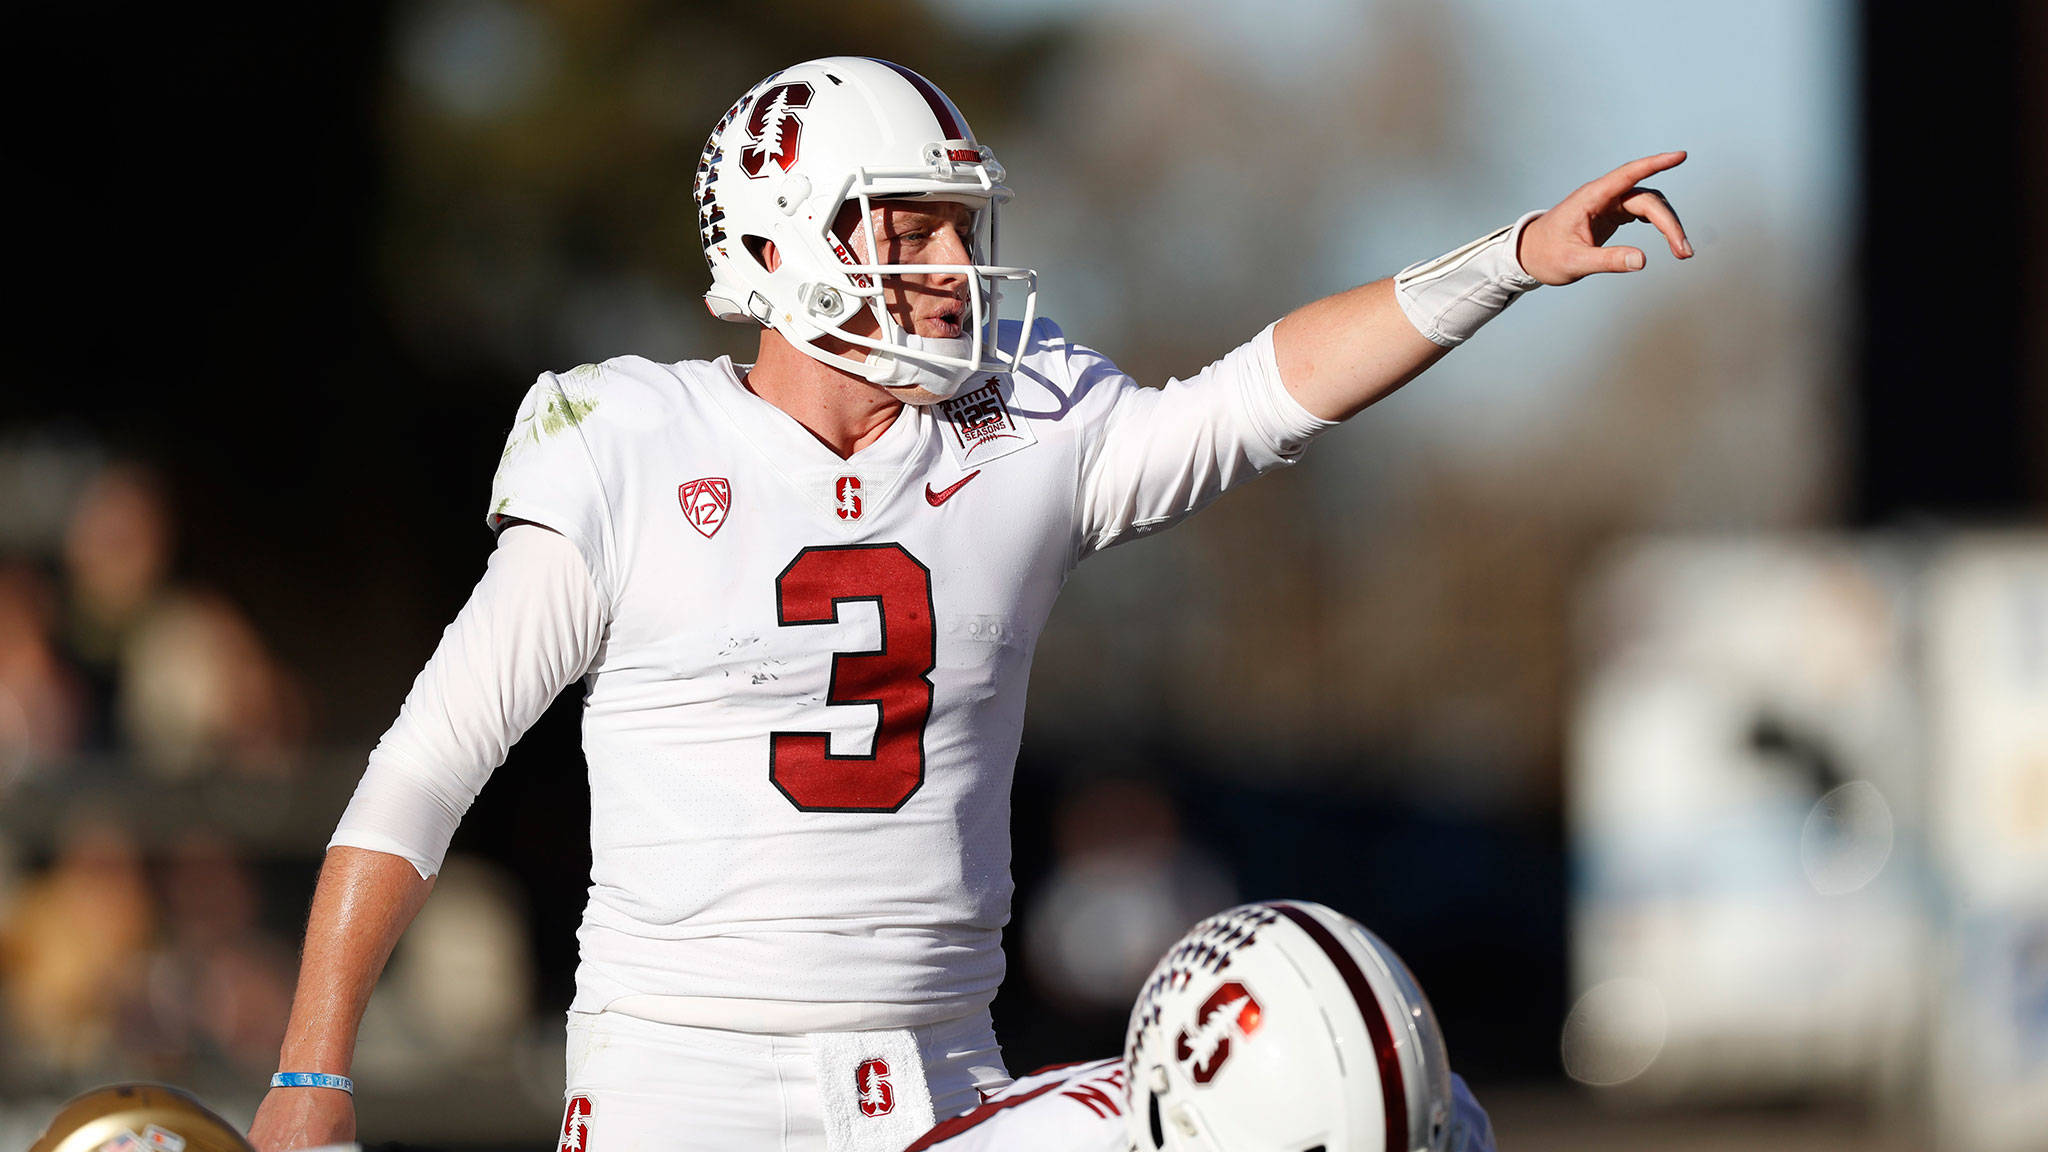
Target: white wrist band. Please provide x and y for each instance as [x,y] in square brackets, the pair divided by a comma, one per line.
[1450,297]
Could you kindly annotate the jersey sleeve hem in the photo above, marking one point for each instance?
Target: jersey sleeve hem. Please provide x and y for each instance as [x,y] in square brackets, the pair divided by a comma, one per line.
[1281,421]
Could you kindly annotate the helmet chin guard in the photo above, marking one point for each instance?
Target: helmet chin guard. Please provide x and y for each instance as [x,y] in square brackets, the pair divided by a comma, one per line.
[779,168]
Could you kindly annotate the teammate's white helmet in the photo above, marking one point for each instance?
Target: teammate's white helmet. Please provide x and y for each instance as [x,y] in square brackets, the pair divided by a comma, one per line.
[780,165]
[1284,1027]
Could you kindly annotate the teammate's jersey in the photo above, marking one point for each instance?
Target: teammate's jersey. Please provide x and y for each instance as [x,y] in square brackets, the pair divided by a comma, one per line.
[1080,1108]
[804,715]
[1069,1108]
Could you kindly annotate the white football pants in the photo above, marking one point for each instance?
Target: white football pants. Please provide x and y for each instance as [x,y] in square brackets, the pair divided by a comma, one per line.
[639,1086]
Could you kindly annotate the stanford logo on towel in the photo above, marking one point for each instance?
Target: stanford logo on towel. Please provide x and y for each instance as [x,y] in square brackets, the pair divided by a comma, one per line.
[872,1080]
[846,500]
[576,1126]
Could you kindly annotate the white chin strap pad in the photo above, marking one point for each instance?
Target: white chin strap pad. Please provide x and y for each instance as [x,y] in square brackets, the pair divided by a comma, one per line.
[902,372]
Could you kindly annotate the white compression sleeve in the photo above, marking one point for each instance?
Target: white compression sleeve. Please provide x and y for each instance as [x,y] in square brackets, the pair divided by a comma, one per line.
[533,624]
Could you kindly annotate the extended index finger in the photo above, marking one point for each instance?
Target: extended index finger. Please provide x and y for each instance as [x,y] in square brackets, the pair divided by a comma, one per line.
[1611,186]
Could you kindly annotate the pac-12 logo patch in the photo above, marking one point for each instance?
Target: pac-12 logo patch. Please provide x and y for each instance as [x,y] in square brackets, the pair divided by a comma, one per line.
[773,131]
[705,503]
[1228,1014]
[847,500]
[576,1125]
[871,1080]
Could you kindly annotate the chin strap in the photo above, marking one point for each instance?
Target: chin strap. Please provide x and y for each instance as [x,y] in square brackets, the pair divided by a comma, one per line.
[907,372]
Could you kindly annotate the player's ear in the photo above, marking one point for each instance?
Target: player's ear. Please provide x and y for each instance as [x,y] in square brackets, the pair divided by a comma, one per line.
[763,250]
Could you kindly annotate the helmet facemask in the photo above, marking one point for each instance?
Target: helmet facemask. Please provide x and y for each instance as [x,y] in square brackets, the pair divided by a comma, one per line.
[830,135]
[920,369]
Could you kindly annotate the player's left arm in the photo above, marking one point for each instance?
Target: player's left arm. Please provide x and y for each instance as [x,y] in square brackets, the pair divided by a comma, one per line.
[1343,352]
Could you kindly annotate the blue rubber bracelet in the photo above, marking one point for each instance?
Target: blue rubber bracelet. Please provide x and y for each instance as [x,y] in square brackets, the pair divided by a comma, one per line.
[313,1080]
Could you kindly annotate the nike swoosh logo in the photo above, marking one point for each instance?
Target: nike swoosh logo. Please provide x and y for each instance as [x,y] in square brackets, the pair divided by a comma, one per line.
[940,497]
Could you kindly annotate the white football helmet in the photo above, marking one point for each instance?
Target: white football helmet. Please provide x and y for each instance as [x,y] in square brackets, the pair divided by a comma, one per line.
[779,167]
[1285,1027]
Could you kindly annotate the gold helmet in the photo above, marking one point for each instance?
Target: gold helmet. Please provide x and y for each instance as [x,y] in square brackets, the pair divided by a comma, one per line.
[139,1118]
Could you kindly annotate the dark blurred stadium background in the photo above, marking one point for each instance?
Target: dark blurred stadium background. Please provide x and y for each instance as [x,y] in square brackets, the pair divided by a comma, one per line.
[285,273]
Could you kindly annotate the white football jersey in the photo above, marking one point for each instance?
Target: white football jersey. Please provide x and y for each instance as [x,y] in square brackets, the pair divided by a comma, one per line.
[1080,1108]
[1069,1108]
[802,721]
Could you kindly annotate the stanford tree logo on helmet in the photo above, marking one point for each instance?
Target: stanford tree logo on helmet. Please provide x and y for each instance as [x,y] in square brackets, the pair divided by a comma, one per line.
[1229,1013]
[775,129]
[1337,1047]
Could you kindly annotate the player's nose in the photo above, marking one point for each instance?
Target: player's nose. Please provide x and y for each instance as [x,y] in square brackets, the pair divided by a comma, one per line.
[951,248]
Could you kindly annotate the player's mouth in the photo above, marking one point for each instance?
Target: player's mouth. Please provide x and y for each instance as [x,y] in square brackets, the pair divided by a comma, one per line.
[946,325]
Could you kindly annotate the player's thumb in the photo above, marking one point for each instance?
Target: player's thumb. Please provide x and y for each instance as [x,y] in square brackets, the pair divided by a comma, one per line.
[1618,259]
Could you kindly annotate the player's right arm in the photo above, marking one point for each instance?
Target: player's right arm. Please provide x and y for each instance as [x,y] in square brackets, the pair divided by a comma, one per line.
[1162,454]
[533,625]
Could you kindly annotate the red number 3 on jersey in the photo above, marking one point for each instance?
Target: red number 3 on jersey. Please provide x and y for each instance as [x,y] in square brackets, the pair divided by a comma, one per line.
[896,677]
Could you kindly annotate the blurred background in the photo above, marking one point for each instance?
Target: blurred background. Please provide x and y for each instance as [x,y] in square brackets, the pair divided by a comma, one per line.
[1665,675]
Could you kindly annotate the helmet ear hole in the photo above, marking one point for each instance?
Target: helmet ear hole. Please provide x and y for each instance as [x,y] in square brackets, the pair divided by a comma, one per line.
[1152,1118]
[762,249]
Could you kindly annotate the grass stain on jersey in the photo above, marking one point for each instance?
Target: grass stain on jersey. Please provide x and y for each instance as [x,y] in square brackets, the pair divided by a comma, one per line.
[562,412]
[559,412]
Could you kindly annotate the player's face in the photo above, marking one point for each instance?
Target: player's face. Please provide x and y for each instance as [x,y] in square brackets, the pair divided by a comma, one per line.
[917,232]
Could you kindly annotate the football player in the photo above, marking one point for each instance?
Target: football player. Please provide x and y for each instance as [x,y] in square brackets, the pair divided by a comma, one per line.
[802,596]
[1272,1027]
